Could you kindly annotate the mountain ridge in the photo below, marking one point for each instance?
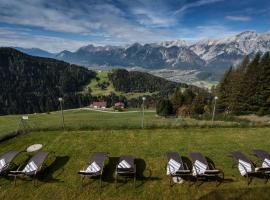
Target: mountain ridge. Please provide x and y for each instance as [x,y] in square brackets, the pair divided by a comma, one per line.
[212,55]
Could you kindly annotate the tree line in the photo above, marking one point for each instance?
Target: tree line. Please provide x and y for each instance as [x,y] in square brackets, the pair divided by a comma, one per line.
[245,89]
[135,81]
[33,84]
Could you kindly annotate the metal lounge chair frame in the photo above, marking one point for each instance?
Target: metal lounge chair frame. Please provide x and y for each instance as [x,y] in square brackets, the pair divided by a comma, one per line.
[39,159]
[262,155]
[99,158]
[183,171]
[130,172]
[211,170]
[237,155]
[9,158]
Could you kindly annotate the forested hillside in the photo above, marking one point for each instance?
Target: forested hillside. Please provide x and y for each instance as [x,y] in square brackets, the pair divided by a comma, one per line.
[135,81]
[33,84]
[246,89]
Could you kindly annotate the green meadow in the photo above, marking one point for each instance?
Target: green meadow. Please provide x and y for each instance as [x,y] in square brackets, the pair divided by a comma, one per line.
[73,149]
[88,131]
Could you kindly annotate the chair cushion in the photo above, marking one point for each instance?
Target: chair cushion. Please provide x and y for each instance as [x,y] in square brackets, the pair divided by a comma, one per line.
[124,164]
[173,166]
[93,168]
[2,164]
[30,167]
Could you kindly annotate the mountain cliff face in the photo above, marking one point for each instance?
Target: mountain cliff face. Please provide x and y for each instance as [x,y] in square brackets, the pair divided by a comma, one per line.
[210,55]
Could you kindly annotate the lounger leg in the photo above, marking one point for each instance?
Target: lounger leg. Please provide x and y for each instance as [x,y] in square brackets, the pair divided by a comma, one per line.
[100,182]
[134,181]
[15,179]
[34,181]
[82,177]
[115,182]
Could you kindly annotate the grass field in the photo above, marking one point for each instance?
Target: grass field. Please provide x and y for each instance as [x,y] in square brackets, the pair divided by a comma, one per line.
[79,119]
[73,148]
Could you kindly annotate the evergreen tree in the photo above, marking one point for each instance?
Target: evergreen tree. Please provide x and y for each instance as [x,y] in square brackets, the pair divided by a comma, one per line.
[264,87]
[177,99]
[251,85]
[164,108]
[224,91]
[237,99]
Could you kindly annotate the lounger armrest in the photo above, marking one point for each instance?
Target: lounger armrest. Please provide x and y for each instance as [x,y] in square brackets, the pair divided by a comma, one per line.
[19,168]
[186,166]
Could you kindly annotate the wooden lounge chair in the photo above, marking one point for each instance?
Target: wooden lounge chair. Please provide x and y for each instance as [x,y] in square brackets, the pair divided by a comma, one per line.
[176,167]
[33,167]
[201,168]
[6,161]
[95,167]
[125,168]
[246,167]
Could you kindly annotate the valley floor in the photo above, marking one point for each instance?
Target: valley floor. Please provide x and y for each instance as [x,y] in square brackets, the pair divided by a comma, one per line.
[73,149]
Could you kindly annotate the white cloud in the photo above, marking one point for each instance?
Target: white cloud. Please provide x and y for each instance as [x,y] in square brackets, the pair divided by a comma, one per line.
[195,4]
[9,38]
[238,18]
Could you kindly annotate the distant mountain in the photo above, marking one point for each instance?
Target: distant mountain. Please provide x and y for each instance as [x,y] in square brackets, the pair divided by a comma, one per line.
[147,56]
[222,53]
[212,55]
[36,52]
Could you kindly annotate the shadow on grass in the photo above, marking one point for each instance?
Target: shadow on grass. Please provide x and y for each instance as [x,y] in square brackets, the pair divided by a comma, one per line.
[262,193]
[143,173]
[49,174]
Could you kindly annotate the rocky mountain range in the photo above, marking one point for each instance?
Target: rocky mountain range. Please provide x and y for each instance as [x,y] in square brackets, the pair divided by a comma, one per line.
[211,55]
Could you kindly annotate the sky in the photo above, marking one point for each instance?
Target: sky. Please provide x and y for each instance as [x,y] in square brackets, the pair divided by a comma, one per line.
[68,24]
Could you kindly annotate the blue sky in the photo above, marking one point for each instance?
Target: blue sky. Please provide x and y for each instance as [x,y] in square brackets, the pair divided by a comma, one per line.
[69,24]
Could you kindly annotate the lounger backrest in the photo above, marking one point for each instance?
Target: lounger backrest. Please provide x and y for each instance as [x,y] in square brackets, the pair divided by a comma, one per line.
[99,158]
[129,159]
[175,156]
[198,156]
[261,154]
[9,156]
[237,155]
[39,158]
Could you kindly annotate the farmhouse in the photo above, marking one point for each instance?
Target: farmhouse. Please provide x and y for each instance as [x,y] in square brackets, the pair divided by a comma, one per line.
[119,105]
[99,104]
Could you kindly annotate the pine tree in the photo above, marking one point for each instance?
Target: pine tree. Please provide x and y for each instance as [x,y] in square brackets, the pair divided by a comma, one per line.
[237,99]
[177,99]
[251,86]
[264,87]
[224,91]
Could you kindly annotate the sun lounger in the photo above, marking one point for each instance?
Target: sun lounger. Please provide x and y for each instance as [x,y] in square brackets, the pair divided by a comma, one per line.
[32,168]
[264,158]
[201,168]
[95,167]
[176,167]
[245,166]
[6,161]
[264,161]
[125,168]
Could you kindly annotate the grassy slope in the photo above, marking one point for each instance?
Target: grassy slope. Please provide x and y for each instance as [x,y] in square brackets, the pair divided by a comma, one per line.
[103,76]
[74,148]
[86,119]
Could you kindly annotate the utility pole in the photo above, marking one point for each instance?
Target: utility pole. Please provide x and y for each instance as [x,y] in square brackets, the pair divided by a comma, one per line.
[214,109]
[142,123]
[60,99]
